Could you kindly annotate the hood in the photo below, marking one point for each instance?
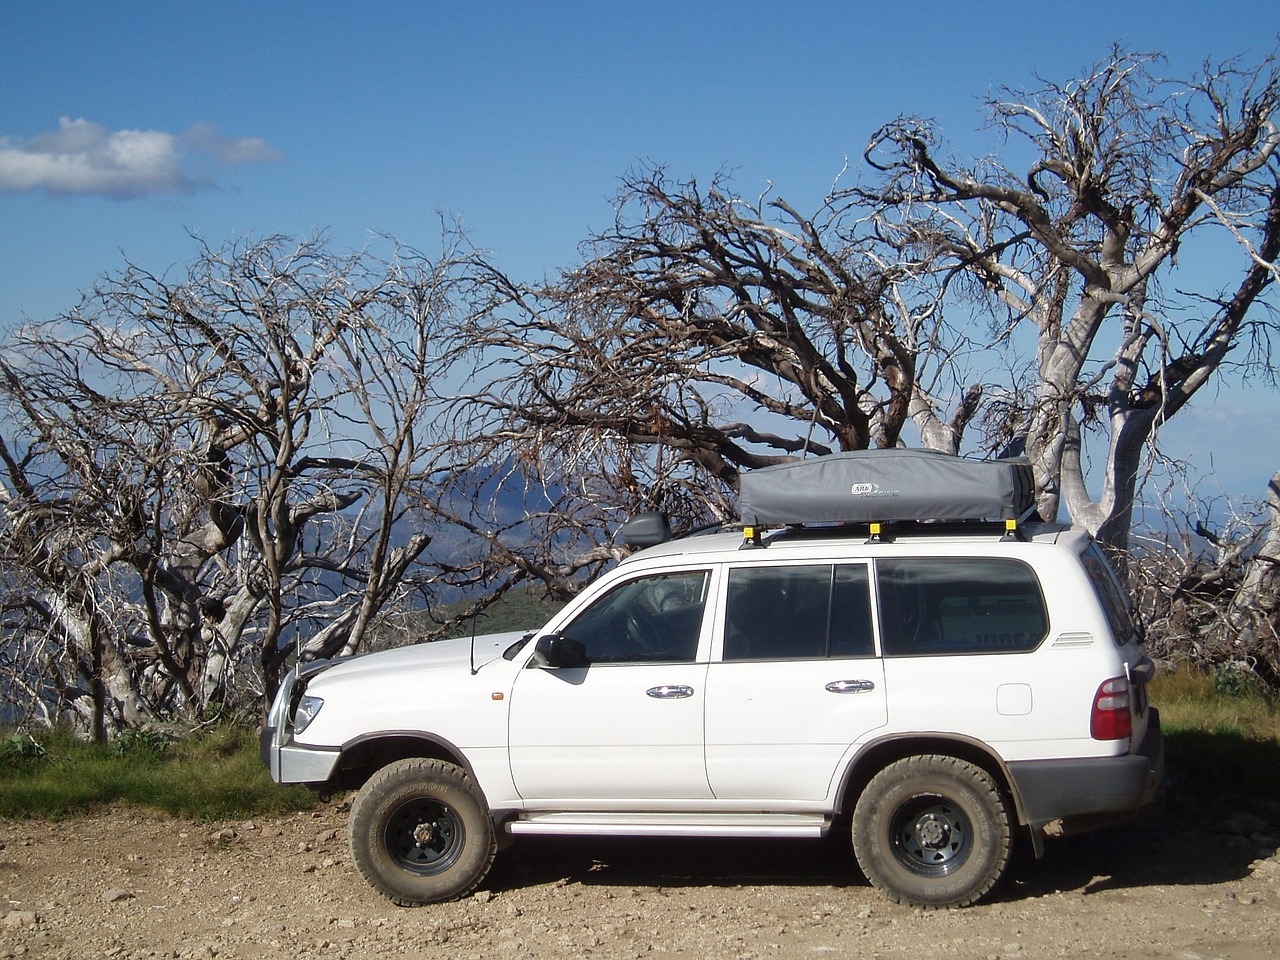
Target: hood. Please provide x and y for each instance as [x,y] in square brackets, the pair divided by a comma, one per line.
[432,656]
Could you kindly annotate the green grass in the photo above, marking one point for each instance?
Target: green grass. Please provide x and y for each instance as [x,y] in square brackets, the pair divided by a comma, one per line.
[1201,702]
[213,775]
[1222,744]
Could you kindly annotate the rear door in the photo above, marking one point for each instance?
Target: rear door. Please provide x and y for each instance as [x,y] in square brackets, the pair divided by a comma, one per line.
[796,683]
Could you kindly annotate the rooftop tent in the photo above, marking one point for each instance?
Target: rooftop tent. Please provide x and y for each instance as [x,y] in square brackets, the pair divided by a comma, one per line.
[867,486]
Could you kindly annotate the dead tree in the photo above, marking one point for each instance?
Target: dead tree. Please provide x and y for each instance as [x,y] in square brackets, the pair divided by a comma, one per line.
[706,334]
[1210,593]
[206,477]
[1131,179]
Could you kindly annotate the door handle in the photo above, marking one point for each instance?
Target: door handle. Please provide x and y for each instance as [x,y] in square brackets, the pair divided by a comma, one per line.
[850,686]
[670,691]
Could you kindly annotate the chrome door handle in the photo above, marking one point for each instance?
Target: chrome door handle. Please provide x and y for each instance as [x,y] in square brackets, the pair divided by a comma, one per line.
[850,686]
[669,691]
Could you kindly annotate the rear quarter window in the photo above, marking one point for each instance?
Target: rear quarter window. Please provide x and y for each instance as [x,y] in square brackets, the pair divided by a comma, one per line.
[959,605]
[1113,599]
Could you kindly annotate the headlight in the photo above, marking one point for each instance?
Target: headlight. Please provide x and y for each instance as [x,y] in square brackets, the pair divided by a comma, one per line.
[308,707]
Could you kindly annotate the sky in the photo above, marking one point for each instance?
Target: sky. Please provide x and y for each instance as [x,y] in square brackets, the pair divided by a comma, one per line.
[129,128]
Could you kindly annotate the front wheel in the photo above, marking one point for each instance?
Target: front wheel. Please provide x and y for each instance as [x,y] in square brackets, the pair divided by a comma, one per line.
[420,832]
[932,831]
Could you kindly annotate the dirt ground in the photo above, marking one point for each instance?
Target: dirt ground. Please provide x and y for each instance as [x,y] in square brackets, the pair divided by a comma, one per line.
[133,885]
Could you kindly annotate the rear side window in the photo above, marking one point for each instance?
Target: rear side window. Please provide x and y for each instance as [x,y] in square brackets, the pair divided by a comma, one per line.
[959,605]
[798,612]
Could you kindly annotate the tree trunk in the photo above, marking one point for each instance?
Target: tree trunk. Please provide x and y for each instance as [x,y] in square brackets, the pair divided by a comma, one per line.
[1254,614]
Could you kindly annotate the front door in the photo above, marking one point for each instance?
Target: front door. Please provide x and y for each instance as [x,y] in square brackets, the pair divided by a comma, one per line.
[625,725]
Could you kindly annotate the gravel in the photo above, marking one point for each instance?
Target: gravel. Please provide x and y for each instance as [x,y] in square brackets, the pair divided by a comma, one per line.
[135,885]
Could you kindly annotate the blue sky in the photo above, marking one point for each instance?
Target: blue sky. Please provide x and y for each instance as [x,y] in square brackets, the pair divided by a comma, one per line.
[230,119]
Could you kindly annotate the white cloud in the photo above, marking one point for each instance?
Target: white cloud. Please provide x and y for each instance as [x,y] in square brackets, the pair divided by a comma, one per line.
[204,139]
[84,158]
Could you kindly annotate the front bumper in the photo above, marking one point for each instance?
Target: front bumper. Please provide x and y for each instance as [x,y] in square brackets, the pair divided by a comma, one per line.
[287,761]
[290,763]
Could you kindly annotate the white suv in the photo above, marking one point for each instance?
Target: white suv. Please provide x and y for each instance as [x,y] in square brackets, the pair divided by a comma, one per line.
[936,687]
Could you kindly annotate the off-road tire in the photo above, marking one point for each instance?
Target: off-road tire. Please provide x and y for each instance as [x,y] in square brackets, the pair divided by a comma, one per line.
[420,832]
[932,831]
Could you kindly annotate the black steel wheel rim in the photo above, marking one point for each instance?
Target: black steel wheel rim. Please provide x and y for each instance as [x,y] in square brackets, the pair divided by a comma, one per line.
[425,836]
[931,836]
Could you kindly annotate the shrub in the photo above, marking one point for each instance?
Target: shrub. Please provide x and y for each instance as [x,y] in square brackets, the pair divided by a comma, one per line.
[20,749]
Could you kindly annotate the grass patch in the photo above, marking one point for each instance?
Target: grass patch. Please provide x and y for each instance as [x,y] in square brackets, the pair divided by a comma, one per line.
[212,775]
[1206,703]
[1222,744]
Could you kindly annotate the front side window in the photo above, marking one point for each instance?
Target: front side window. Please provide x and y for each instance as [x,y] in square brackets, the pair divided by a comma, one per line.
[798,612]
[959,605]
[654,619]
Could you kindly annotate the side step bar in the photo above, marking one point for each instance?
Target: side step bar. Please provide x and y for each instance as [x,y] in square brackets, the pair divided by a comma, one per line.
[672,824]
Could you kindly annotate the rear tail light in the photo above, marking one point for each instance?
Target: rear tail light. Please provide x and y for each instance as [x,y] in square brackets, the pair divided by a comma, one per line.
[1111,719]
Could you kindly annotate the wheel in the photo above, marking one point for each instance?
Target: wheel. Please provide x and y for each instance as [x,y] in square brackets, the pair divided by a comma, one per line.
[932,831]
[420,832]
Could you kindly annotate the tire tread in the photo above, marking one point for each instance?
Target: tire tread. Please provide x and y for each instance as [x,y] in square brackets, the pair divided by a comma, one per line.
[931,774]
[402,889]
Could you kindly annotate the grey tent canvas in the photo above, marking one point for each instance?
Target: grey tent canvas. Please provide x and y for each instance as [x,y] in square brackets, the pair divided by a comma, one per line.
[885,485]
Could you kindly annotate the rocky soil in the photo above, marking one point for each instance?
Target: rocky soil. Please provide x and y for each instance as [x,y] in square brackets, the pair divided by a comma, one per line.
[134,885]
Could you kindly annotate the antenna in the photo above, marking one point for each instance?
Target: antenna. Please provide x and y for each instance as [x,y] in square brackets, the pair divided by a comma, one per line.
[472,653]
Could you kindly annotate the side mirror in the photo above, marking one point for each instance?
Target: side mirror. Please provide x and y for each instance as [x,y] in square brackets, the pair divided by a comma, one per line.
[558,651]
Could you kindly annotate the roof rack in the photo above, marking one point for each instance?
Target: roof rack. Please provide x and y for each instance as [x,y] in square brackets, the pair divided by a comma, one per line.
[885,532]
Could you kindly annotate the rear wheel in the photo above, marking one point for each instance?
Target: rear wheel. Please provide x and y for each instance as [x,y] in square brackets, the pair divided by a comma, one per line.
[420,832]
[932,831]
